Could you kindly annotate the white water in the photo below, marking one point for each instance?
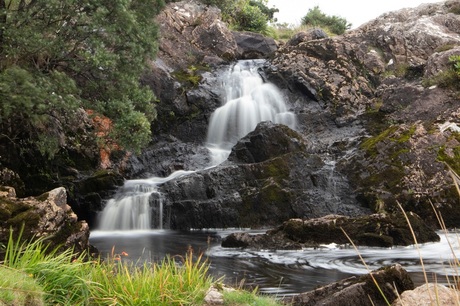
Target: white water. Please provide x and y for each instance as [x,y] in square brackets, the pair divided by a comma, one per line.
[247,101]
[131,209]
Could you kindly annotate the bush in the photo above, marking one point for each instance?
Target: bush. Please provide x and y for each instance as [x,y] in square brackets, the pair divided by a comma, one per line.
[334,24]
[245,15]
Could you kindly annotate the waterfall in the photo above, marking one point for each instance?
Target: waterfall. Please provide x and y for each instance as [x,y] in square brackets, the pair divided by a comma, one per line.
[246,102]
[138,205]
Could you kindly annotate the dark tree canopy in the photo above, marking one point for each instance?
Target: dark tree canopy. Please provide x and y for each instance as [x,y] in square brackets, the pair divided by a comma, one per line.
[60,55]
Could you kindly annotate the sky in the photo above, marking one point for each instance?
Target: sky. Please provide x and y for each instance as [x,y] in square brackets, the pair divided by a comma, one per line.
[356,12]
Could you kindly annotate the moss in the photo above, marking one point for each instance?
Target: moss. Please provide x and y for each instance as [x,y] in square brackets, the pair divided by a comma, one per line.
[455,8]
[276,168]
[443,48]
[190,77]
[369,145]
[43,197]
[453,160]
[448,79]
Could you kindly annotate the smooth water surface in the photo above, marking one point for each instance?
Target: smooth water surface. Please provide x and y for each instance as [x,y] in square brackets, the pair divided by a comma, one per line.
[279,272]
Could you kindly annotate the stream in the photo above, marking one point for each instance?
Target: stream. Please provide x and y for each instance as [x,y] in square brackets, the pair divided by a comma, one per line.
[279,273]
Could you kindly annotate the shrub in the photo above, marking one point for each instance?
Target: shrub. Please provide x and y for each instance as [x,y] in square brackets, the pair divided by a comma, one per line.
[316,18]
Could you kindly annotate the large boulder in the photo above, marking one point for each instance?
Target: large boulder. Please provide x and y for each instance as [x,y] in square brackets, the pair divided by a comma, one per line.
[257,188]
[254,45]
[267,141]
[48,216]
[428,293]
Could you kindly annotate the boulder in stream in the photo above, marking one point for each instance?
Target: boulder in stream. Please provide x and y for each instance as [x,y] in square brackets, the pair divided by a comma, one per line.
[359,291]
[377,230]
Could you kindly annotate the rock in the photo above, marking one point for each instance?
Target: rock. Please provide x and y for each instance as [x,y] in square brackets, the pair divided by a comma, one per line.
[363,98]
[427,295]
[47,216]
[377,230]
[10,178]
[356,291]
[254,45]
[191,31]
[268,184]
[87,193]
[267,141]
[214,296]
[304,36]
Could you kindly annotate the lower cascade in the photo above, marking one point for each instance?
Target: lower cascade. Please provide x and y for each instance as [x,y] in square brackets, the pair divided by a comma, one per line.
[247,101]
[132,209]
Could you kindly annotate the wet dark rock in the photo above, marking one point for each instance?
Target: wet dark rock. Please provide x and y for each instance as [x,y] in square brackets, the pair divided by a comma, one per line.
[88,192]
[377,230]
[357,291]
[267,141]
[254,45]
[266,189]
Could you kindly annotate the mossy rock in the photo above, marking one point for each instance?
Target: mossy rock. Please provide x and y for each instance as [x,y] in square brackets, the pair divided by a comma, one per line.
[15,215]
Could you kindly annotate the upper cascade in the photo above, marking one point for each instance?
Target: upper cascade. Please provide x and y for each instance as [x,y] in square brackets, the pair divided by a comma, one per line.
[247,101]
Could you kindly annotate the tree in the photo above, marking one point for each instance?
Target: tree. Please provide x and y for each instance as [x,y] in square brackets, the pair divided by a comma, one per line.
[60,55]
[316,18]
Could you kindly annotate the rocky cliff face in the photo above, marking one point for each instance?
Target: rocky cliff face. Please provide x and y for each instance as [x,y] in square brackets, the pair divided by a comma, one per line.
[364,97]
[373,132]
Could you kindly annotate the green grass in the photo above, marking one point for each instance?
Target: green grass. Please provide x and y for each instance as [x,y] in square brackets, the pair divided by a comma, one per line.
[35,275]
[248,298]
[18,288]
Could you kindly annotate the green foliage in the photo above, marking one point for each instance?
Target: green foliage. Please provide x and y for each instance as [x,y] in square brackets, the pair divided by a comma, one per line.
[250,18]
[449,78]
[60,55]
[316,18]
[245,15]
[455,60]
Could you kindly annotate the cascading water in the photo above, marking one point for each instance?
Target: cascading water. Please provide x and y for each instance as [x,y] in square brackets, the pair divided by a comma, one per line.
[132,209]
[247,102]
